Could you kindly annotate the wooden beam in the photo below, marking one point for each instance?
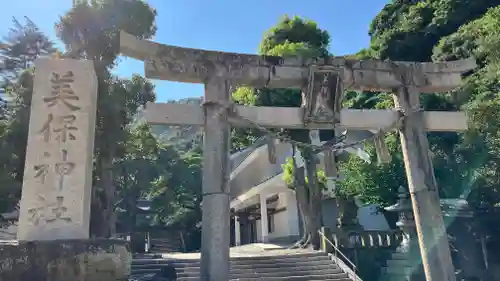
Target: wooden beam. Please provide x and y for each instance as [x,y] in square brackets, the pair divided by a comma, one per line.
[291,117]
[196,66]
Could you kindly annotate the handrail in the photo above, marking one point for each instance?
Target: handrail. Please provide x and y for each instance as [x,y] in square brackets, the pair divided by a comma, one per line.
[337,250]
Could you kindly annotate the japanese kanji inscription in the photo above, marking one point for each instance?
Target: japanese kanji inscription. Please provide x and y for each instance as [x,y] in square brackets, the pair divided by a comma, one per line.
[55,201]
[62,91]
[64,168]
[48,211]
[62,127]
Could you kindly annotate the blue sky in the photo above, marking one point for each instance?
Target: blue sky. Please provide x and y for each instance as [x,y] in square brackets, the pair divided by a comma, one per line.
[224,25]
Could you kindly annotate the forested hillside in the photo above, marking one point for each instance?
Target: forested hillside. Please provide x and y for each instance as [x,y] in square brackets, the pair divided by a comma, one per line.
[465,164]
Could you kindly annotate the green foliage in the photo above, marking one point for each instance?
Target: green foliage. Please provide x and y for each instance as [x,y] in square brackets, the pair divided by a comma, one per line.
[294,49]
[134,172]
[142,166]
[176,194]
[409,31]
[289,170]
[295,33]
[244,95]
[21,46]
[477,150]
[479,38]
[164,174]
[289,37]
[374,183]
[90,30]
[465,164]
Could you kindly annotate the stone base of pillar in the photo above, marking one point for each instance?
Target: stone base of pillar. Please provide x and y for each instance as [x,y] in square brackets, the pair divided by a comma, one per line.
[64,260]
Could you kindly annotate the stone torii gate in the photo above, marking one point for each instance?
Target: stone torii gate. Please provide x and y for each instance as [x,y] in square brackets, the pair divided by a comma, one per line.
[221,71]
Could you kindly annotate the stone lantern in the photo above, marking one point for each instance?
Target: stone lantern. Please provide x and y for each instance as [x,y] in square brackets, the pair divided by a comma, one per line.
[405,263]
[406,222]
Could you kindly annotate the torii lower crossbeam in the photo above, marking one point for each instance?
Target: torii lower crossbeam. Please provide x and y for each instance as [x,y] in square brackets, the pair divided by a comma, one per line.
[292,117]
[218,70]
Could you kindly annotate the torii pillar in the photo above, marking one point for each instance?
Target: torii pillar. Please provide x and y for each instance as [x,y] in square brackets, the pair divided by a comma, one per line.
[220,71]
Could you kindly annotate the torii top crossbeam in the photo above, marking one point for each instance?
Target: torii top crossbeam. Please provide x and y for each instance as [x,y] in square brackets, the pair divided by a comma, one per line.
[220,71]
[196,66]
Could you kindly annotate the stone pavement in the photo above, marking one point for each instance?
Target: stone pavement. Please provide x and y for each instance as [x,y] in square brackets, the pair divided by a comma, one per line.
[249,250]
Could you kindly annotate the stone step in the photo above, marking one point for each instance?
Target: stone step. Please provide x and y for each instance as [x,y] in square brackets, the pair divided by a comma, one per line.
[256,273]
[311,277]
[399,263]
[323,278]
[240,264]
[404,271]
[242,268]
[399,256]
[146,256]
[266,268]
[164,243]
[294,278]
[267,258]
[281,272]
[272,266]
[157,250]
[164,246]
[233,260]
[394,278]
[196,270]
[164,250]
[164,240]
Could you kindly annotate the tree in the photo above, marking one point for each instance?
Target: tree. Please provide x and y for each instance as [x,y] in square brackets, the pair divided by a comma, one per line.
[435,25]
[178,188]
[405,30]
[295,37]
[15,136]
[479,96]
[135,172]
[176,192]
[23,44]
[19,49]
[90,31]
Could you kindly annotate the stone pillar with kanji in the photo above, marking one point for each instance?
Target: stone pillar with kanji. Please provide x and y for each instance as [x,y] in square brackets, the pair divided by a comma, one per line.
[55,202]
[53,235]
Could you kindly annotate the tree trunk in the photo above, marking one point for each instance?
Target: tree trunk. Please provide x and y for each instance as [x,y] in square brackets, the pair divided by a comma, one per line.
[103,220]
[299,183]
[109,191]
[96,218]
[131,203]
[315,211]
[309,201]
[132,212]
[303,203]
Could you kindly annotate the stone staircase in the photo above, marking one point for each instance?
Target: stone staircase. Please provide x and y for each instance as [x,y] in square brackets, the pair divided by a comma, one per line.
[402,267]
[165,245]
[277,265]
